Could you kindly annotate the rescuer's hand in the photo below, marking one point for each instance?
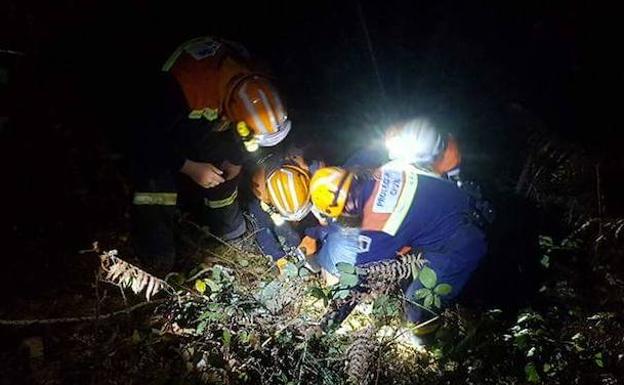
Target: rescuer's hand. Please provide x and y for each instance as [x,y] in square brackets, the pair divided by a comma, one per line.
[204,174]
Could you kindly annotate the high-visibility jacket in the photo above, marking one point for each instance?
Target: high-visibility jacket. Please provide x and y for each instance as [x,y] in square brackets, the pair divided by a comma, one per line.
[404,206]
[206,68]
[182,109]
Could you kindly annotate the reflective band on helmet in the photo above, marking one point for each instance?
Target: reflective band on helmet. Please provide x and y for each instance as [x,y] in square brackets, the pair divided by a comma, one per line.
[222,202]
[267,104]
[300,214]
[268,140]
[154,198]
[251,110]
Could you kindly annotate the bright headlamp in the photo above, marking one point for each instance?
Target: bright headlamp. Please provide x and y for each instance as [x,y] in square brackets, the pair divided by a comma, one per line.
[407,147]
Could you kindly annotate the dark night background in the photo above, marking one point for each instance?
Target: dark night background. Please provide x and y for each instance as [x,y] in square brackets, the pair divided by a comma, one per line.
[483,69]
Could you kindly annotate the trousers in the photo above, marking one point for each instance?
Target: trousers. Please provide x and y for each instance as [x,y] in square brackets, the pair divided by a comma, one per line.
[158,197]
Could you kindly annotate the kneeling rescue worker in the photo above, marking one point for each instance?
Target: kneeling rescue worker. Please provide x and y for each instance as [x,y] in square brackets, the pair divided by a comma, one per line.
[399,206]
[209,111]
[282,210]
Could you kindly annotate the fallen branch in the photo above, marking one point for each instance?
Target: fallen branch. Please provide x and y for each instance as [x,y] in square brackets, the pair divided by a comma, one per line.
[28,322]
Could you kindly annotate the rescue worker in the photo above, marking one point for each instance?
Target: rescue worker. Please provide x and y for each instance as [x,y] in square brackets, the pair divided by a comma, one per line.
[398,206]
[282,208]
[418,141]
[210,109]
[415,141]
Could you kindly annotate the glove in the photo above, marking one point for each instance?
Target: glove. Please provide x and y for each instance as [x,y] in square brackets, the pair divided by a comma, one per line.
[281,264]
[308,246]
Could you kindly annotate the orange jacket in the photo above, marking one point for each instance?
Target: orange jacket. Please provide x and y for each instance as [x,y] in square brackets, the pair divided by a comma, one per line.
[206,69]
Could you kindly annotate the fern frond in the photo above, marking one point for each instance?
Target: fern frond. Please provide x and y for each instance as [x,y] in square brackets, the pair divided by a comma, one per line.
[391,272]
[359,357]
[125,275]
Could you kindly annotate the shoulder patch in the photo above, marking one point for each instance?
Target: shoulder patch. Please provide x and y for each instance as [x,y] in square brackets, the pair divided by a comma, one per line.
[391,185]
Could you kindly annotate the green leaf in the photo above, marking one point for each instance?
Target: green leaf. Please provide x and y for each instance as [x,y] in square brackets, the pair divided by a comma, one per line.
[422,293]
[348,280]
[545,261]
[545,241]
[243,262]
[210,316]
[547,367]
[598,360]
[436,301]
[243,337]
[428,300]
[216,273]
[346,268]
[531,373]
[318,293]
[214,287]
[290,270]
[227,337]
[341,294]
[443,289]
[385,306]
[428,277]
[200,286]
[201,327]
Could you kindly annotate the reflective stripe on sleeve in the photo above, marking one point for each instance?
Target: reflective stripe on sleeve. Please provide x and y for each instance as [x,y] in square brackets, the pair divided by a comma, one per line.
[155,198]
[222,202]
[403,205]
[207,113]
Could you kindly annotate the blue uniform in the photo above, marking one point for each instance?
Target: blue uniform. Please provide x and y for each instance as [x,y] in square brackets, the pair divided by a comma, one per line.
[403,206]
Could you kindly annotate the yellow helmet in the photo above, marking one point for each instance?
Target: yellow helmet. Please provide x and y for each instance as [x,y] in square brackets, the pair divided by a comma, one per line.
[289,192]
[329,188]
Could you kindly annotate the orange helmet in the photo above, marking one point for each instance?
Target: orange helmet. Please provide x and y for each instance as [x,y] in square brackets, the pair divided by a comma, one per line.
[254,105]
[287,189]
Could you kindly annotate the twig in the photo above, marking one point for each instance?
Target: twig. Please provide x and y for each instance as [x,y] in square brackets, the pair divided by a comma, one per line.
[28,322]
[219,239]
[417,304]
[12,52]
[198,274]
[305,351]
[423,324]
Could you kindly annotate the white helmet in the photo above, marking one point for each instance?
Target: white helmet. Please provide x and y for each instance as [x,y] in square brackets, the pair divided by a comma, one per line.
[415,141]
